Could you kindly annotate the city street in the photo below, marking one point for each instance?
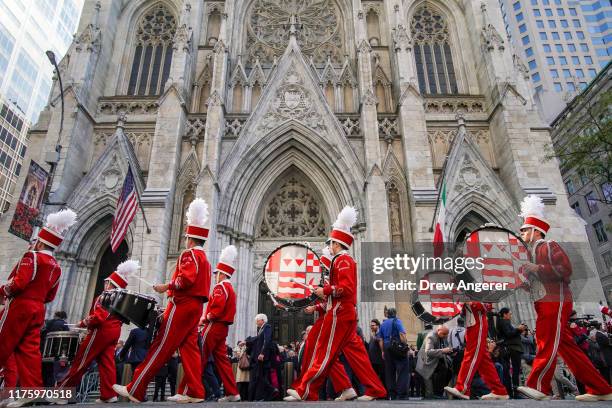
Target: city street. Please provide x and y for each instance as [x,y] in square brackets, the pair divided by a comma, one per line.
[391,404]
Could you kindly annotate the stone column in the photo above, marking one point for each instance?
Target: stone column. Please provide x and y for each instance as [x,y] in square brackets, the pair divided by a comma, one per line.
[158,197]
[375,197]
[215,124]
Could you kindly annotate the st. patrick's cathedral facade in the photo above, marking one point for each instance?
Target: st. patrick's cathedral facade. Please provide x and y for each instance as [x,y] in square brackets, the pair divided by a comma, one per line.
[279,113]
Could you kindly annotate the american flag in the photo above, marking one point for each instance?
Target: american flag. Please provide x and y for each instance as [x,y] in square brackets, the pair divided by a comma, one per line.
[503,255]
[292,262]
[125,212]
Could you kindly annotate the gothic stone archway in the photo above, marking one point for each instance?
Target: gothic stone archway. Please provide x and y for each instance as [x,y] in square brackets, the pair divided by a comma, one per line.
[292,211]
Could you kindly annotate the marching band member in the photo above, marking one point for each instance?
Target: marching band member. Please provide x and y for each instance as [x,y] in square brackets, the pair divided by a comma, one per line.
[339,328]
[32,283]
[476,357]
[337,373]
[549,277]
[103,331]
[187,292]
[605,310]
[219,315]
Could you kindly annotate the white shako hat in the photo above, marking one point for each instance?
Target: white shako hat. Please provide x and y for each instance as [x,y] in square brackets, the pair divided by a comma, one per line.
[57,223]
[119,278]
[197,220]
[532,210]
[226,261]
[341,231]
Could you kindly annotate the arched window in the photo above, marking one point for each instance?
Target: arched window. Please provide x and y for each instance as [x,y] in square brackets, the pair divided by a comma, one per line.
[153,53]
[432,52]
[373,28]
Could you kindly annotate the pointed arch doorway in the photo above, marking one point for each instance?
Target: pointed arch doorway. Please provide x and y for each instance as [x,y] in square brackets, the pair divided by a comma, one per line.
[292,210]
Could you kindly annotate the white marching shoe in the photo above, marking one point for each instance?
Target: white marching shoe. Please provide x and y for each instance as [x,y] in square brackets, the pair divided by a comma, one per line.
[492,396]
[289,398]
[593,397]
[293,393]
[456,393]
[174,398]
[532,393]
[108,401]
[123,391]
[347,395]
[366,398]
[21,402]
[230,398]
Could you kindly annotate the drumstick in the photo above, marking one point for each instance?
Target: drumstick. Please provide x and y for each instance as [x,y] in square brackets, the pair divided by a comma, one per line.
[145,281]
[276,304]
[303,285]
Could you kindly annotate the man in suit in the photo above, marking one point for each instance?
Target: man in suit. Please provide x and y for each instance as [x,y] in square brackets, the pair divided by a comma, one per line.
[433,362]
[135,347]
[52,371]
[261,348]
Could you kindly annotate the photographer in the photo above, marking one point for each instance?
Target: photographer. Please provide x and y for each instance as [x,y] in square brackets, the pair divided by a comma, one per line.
[434,363]
[510,337]
[600,341]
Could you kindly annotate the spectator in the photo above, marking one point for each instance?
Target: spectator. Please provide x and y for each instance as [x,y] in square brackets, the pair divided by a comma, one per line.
[421,336]
[53,371]
[513,347]
[433,362]
[119,364]
[160,384]
[375,352]
[242,374]
[261,349]
[173,372]
[135,347]
[529,349]
[397,375]
[603,354]
[456,340]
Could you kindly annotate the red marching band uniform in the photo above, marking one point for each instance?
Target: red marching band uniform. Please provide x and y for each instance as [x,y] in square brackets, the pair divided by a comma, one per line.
[476,357]
[103,332]
[339,328]
[553,303]
[187,292]
[32,283]
[219,315]
[337,373]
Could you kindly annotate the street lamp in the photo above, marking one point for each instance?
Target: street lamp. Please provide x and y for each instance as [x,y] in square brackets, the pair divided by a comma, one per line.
[52,158]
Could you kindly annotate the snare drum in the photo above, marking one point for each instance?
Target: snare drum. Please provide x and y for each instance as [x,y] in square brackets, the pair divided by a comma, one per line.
[131,306]
[436,306]
[61,346]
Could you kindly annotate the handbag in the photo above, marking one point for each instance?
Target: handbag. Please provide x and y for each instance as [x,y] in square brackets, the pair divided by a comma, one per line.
[243,362]
[397,348]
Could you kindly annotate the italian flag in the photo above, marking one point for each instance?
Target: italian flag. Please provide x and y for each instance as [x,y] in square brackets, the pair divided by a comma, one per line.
[438,239]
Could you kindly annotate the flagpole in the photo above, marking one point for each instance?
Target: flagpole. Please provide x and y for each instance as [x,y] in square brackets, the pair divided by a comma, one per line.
[461,126]
[144,217]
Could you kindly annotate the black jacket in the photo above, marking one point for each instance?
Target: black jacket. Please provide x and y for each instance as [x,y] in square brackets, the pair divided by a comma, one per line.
[136,345]
[261,344]
[510,334]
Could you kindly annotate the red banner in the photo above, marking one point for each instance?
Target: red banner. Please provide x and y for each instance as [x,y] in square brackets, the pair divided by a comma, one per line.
[30,201]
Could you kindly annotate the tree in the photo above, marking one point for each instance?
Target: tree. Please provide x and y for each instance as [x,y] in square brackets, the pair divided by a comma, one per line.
[586,146]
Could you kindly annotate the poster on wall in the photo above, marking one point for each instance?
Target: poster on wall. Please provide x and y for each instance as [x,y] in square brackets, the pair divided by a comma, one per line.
[30,201]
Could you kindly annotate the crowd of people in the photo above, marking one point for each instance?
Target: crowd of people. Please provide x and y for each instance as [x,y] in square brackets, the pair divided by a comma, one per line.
[483,356]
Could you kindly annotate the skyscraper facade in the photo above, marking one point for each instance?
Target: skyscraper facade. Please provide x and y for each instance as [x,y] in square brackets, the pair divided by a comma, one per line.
[598,16]
[13,134]
[553,38]
[27,29]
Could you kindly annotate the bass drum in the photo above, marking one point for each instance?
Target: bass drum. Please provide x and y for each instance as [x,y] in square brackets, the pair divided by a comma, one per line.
[289,273]
[502,255]
[436,306]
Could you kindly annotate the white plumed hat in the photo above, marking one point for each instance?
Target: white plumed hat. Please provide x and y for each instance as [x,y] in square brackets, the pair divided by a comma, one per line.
[341,231]
[119,278]
[532,210]
[57,223]
[227,259]
[197,219]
